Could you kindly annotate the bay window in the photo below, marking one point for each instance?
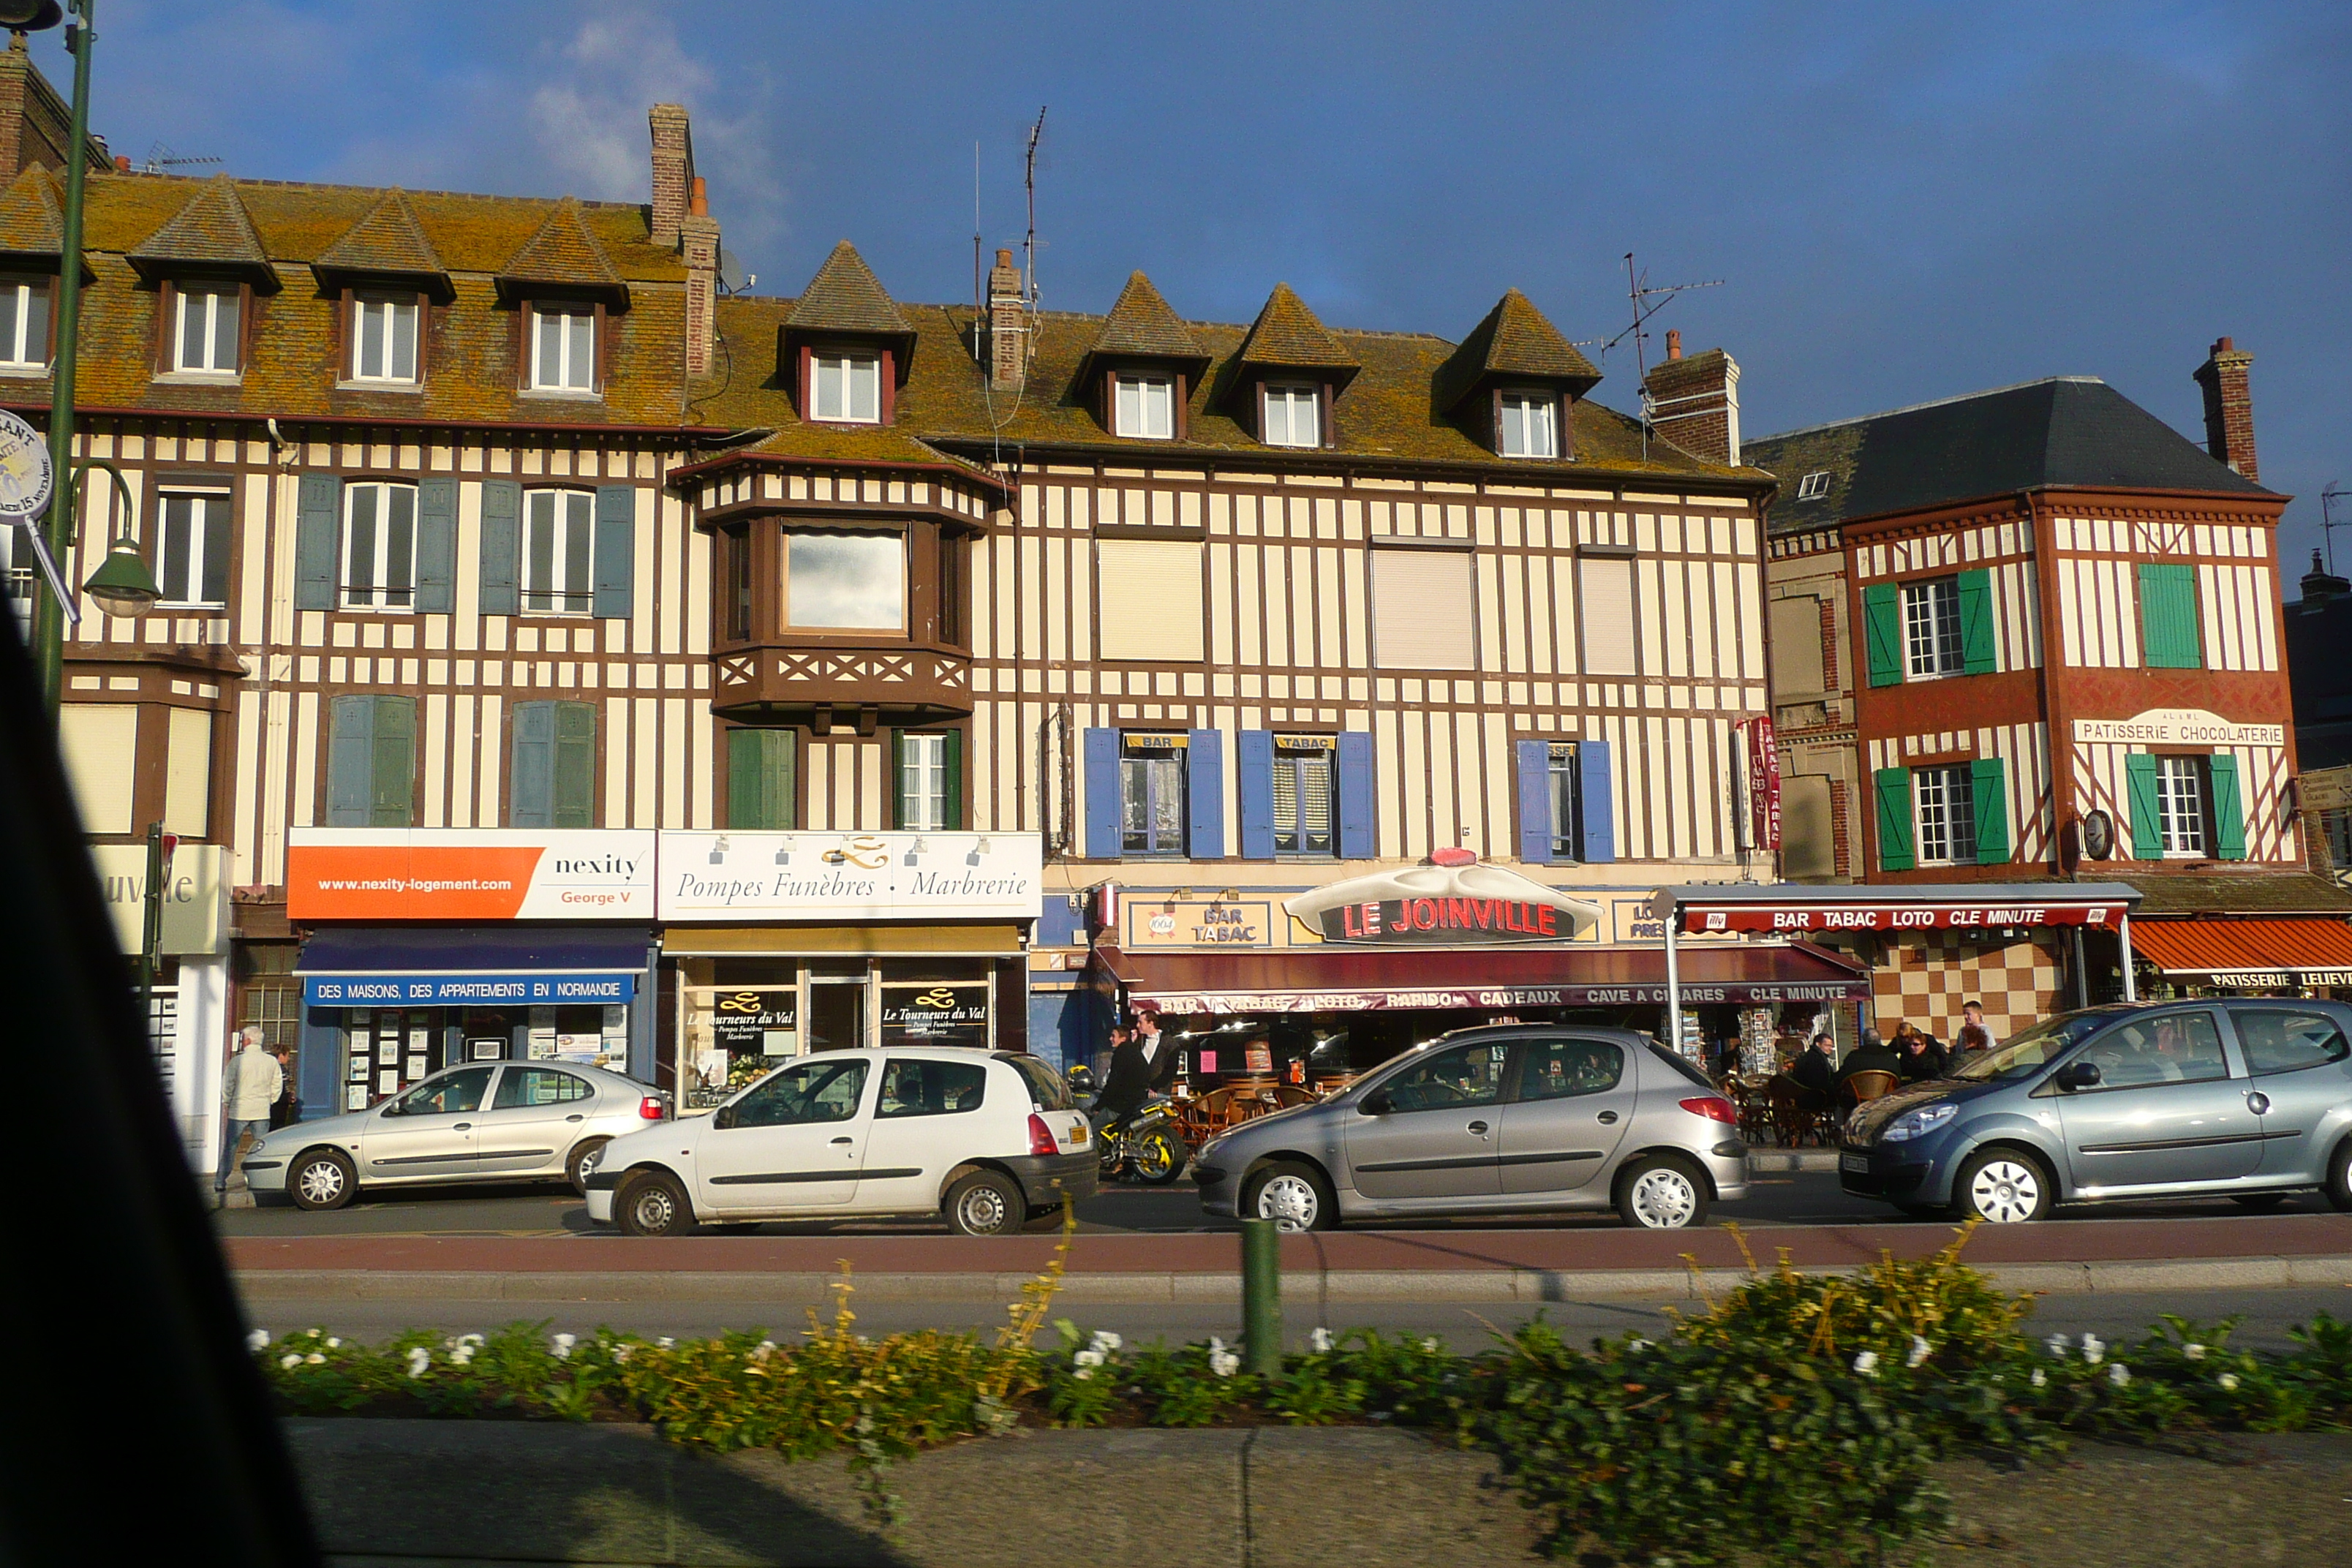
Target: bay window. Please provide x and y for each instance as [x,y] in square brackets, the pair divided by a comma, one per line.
[848,582]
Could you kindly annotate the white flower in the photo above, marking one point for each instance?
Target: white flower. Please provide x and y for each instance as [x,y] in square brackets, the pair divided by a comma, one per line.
[2040,1377]
[2193,1351]
[334,1344]
[2095,1350]
[1105,1341]
[463,1355]
[1319,1340]
[315,1359]
[763,1350]
[289,1361]
[1867,1363]
[419,1358]
[2229,1382]
[1224,1364]
[2057,1343]
[666,1342]
[1083,1372]
[1216,1345]
[1920,1350]
[562,1346]
[1088,1358]
[620,1352]
[1635,1345]
[257,1340]
[1430,1345]
[2120,1374]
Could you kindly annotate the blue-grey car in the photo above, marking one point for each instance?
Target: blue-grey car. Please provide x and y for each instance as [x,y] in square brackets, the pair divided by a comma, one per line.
[2248,1098]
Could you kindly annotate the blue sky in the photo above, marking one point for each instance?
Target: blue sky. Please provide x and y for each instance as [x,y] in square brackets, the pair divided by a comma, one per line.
[1906,201]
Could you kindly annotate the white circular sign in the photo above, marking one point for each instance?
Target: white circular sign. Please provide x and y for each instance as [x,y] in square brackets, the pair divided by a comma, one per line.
[25,474]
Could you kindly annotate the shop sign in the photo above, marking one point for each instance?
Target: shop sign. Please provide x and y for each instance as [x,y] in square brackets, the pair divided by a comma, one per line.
[838,877]
[1197,923]
[935,1015]
[1454,905]
[468,874]
[195,897]
[765,1020]
[1755,993]
[2177,727]
[1831,919]
[2238,979]
[1763,783]
[478,989]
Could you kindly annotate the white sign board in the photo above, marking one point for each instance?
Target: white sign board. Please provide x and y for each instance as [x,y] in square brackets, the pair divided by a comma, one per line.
[25,471]
[195,896]
[2179,727]
[740,876]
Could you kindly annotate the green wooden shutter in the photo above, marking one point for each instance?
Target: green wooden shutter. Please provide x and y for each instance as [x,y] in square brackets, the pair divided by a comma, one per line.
[530,781]
[616,550]
[1893,789]
[1976,624]
[2168,617]
[2229,808]
[2147,826]
[350,743]
[761,791]
[1882,633]
[897,753]
[1988,790]
[500,591]
[436,546]
[574,800]
[394,763]
[951,766]
[318,537]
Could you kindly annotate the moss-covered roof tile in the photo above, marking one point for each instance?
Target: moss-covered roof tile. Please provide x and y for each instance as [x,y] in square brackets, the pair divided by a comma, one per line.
[31,219]
[845,296]
[562,253]
[1141,324]
[386,242]
[211,228]
[1287,335]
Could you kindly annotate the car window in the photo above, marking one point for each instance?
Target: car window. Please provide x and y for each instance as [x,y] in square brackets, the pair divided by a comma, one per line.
[523,1087]
[2022,1055]
[448,1095]
[1558,1069]
[1460,1074]
[911,1087]
[1046,1089]
[810,1092]
[1682,1066]
[2288,1041]
[2171,1048]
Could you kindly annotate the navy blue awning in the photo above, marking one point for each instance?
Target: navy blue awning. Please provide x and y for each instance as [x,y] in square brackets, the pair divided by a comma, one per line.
[373,966]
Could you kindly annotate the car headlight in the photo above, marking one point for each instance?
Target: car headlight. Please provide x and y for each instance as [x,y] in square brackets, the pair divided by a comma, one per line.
[1918,1121]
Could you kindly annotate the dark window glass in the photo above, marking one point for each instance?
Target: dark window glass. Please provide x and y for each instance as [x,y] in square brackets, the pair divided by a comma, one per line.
[1564,813]
[448,1095]
[914,1087]
[1462,1075]
[1046,1089]
[2289,1041]
[523,1087]
[1152,799]
[1557,1069]
[796,1096]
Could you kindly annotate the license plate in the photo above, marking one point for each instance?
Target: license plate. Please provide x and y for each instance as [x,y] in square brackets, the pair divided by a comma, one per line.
[1854,1163]
[1078,1136]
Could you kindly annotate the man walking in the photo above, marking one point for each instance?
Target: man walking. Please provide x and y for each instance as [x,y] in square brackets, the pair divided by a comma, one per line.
[248,1089]
[1159,1052]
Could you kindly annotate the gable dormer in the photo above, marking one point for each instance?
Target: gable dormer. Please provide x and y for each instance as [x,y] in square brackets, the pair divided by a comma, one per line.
[1288,373]
[1140,371]
[845,347]
[32,241]
[385,279]
[1514,382]
[565,291]
[207,267]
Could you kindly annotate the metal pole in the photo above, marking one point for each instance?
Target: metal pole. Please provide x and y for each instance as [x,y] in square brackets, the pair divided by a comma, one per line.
[1673,983]
[152,927]
[2122,934]
[1262,1297]
[49,615]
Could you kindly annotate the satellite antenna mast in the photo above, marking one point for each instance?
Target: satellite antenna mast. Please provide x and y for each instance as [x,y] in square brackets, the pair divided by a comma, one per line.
[1029,181]
[978,299]
[1641,292]
[2327,522]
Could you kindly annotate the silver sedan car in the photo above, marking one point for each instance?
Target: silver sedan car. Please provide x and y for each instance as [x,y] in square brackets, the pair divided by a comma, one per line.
[1517,1118]
[485,1122]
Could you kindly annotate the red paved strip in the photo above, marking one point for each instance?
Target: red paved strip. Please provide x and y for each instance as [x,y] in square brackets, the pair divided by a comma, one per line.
[1576,1251]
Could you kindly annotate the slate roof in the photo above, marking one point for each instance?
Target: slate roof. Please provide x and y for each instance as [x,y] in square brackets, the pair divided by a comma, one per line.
[562,254]
[1287,336]
[2066,431]
[2244,893]
[211,229]
[1142,324]
[32,218]
[1515,340]
[845,296]
[387,243]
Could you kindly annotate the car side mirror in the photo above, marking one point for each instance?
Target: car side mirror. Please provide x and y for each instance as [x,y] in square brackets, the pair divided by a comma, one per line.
[1376,1103]
[2078,1074]
[723,1116]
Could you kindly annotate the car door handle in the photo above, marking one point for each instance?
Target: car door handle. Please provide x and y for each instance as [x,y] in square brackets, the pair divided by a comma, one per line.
[1610,1116]
[2258,1102]
[463,1126]
[841,1141]
[1479,1128]
[575,1116]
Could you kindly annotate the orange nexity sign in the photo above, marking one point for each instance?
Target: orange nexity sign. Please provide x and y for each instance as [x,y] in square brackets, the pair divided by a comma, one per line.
[467,874]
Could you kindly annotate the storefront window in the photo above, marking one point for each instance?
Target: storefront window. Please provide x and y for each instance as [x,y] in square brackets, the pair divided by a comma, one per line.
[741,1017]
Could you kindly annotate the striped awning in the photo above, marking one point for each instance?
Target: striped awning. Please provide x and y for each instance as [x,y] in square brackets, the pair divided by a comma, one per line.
[2291,950]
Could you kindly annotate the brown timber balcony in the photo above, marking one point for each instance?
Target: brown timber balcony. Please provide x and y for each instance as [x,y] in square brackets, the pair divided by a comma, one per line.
[829,683]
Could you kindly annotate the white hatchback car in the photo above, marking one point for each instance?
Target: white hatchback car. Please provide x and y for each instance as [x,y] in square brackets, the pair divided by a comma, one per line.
[986,1140]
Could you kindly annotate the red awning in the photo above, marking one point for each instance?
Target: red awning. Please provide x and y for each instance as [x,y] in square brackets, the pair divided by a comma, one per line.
[1339,980]
[2312,950]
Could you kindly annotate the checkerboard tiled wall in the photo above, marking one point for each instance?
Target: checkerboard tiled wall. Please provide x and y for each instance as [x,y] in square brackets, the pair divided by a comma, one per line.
[1925,979]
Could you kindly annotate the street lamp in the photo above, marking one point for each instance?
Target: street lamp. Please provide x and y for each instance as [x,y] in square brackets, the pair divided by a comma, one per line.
[123,585]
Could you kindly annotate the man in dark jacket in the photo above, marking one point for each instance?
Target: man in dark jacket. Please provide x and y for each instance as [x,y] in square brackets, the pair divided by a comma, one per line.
[1160,1050]
[1815,1069]
[1921,1057]
[1871,1056]
[1127,1081]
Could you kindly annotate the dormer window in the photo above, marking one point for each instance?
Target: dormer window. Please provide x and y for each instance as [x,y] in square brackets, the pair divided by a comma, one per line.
[384,338]
[24,323]
[1527,425]
[564,347]
[1813,486]
[1292,415]
[205,334]
[1144,406]
[845,388]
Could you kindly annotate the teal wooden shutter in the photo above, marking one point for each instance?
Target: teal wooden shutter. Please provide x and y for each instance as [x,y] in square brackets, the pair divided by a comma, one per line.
[1534,801]
[616,550]
[1976,624]
[1596,798]
[762,789]
[2168,617]
[394,763]
[1254,770]
[2147,827]
[501,589]
[436,546]
[350,743]
[1204,795]
[531,782]
[2229,808]
[1893,790]
[1988,790]
[575,764]
[952,771]
[318,527]
[1882,633]
[1099,762]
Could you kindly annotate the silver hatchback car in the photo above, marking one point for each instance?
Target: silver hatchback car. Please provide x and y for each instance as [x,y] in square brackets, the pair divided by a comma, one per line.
[1513,1118]
[484,1121]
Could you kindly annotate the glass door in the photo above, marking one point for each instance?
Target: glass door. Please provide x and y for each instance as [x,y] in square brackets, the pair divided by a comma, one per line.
[836,1012]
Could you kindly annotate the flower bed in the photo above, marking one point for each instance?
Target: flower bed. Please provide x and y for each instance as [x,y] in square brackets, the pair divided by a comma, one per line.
[1807,1408]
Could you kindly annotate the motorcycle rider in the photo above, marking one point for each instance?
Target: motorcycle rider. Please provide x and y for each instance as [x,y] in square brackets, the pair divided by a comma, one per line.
[1127,1082]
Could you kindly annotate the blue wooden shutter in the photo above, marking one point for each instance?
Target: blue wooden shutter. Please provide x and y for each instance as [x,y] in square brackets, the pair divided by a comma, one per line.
[2168,617]
[1893,787]
[436,545]
[318,527]
[501,592]
[351,772]
[395,759]
[616,550]
[1596,800]
[1976,624]
[1988,792]
[1356,796]
[2229,808]
[1101,762]
[1535,803]
[574,798]
[1204,795]
[531,784]
[1882,633]
[2146,825]
[1254,772]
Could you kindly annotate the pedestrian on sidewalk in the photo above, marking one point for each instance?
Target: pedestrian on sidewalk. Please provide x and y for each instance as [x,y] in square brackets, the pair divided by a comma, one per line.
[248,1089]
[1973,1035]
[286,1109]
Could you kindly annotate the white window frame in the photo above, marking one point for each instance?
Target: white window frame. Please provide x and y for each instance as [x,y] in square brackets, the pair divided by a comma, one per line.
[1933,646]
[855,397]
[575,346]
[1302,758]
[1813,486]
[1136,400]
[2183,791]
[19,347]
[217,342]
[1526,404]
[1295,400]
[376,595]
[569,584]
[375,326]
[199,532]
[922,782]
[1944,815]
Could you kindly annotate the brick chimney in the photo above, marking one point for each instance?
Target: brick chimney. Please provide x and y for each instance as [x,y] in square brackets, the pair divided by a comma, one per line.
[2229,407]
[699,243]
[1694,402]
[673,169]
[1008,334]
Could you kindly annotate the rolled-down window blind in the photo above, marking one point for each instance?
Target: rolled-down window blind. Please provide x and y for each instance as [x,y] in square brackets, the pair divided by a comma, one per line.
[1148,593]
[1607,595]
[1421,610]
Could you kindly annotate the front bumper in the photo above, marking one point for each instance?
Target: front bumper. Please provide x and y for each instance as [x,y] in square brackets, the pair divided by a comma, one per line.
[1047,1179]
[264,1175]
[600,1203]
[1221,1189]
[1892,1172]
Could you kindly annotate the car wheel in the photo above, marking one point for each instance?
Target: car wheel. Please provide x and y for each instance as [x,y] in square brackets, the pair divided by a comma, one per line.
[651,1203]
[1159,1157]
[985,1203]
[322,1179]
[2339,1178]
[582,1164]
[1659,1191]
[2002,1186]
[2259,1202]
[1293,1196]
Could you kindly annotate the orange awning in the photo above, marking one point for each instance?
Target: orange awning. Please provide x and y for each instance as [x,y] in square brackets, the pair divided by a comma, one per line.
[2310,950]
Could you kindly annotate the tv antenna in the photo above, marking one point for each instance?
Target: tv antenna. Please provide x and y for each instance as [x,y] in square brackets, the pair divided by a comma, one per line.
[1029,184]
[160,157]
[2327,519]
[1648,300]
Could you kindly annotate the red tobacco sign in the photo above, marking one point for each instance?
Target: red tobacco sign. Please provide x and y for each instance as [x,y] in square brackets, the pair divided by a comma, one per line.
[1800,918]
[1763,783]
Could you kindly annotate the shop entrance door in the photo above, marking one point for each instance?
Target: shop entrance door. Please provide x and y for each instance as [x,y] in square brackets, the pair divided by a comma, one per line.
[837,1014]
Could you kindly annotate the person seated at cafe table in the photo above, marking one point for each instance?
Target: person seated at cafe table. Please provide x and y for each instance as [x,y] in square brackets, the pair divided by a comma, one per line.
[1920,1056]
[1871,1056]
[1815,1069]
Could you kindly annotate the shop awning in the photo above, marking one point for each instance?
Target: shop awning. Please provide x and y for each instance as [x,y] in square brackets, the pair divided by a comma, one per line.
[1320,980]
[396,966]
[2310,950]
[1781,908]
